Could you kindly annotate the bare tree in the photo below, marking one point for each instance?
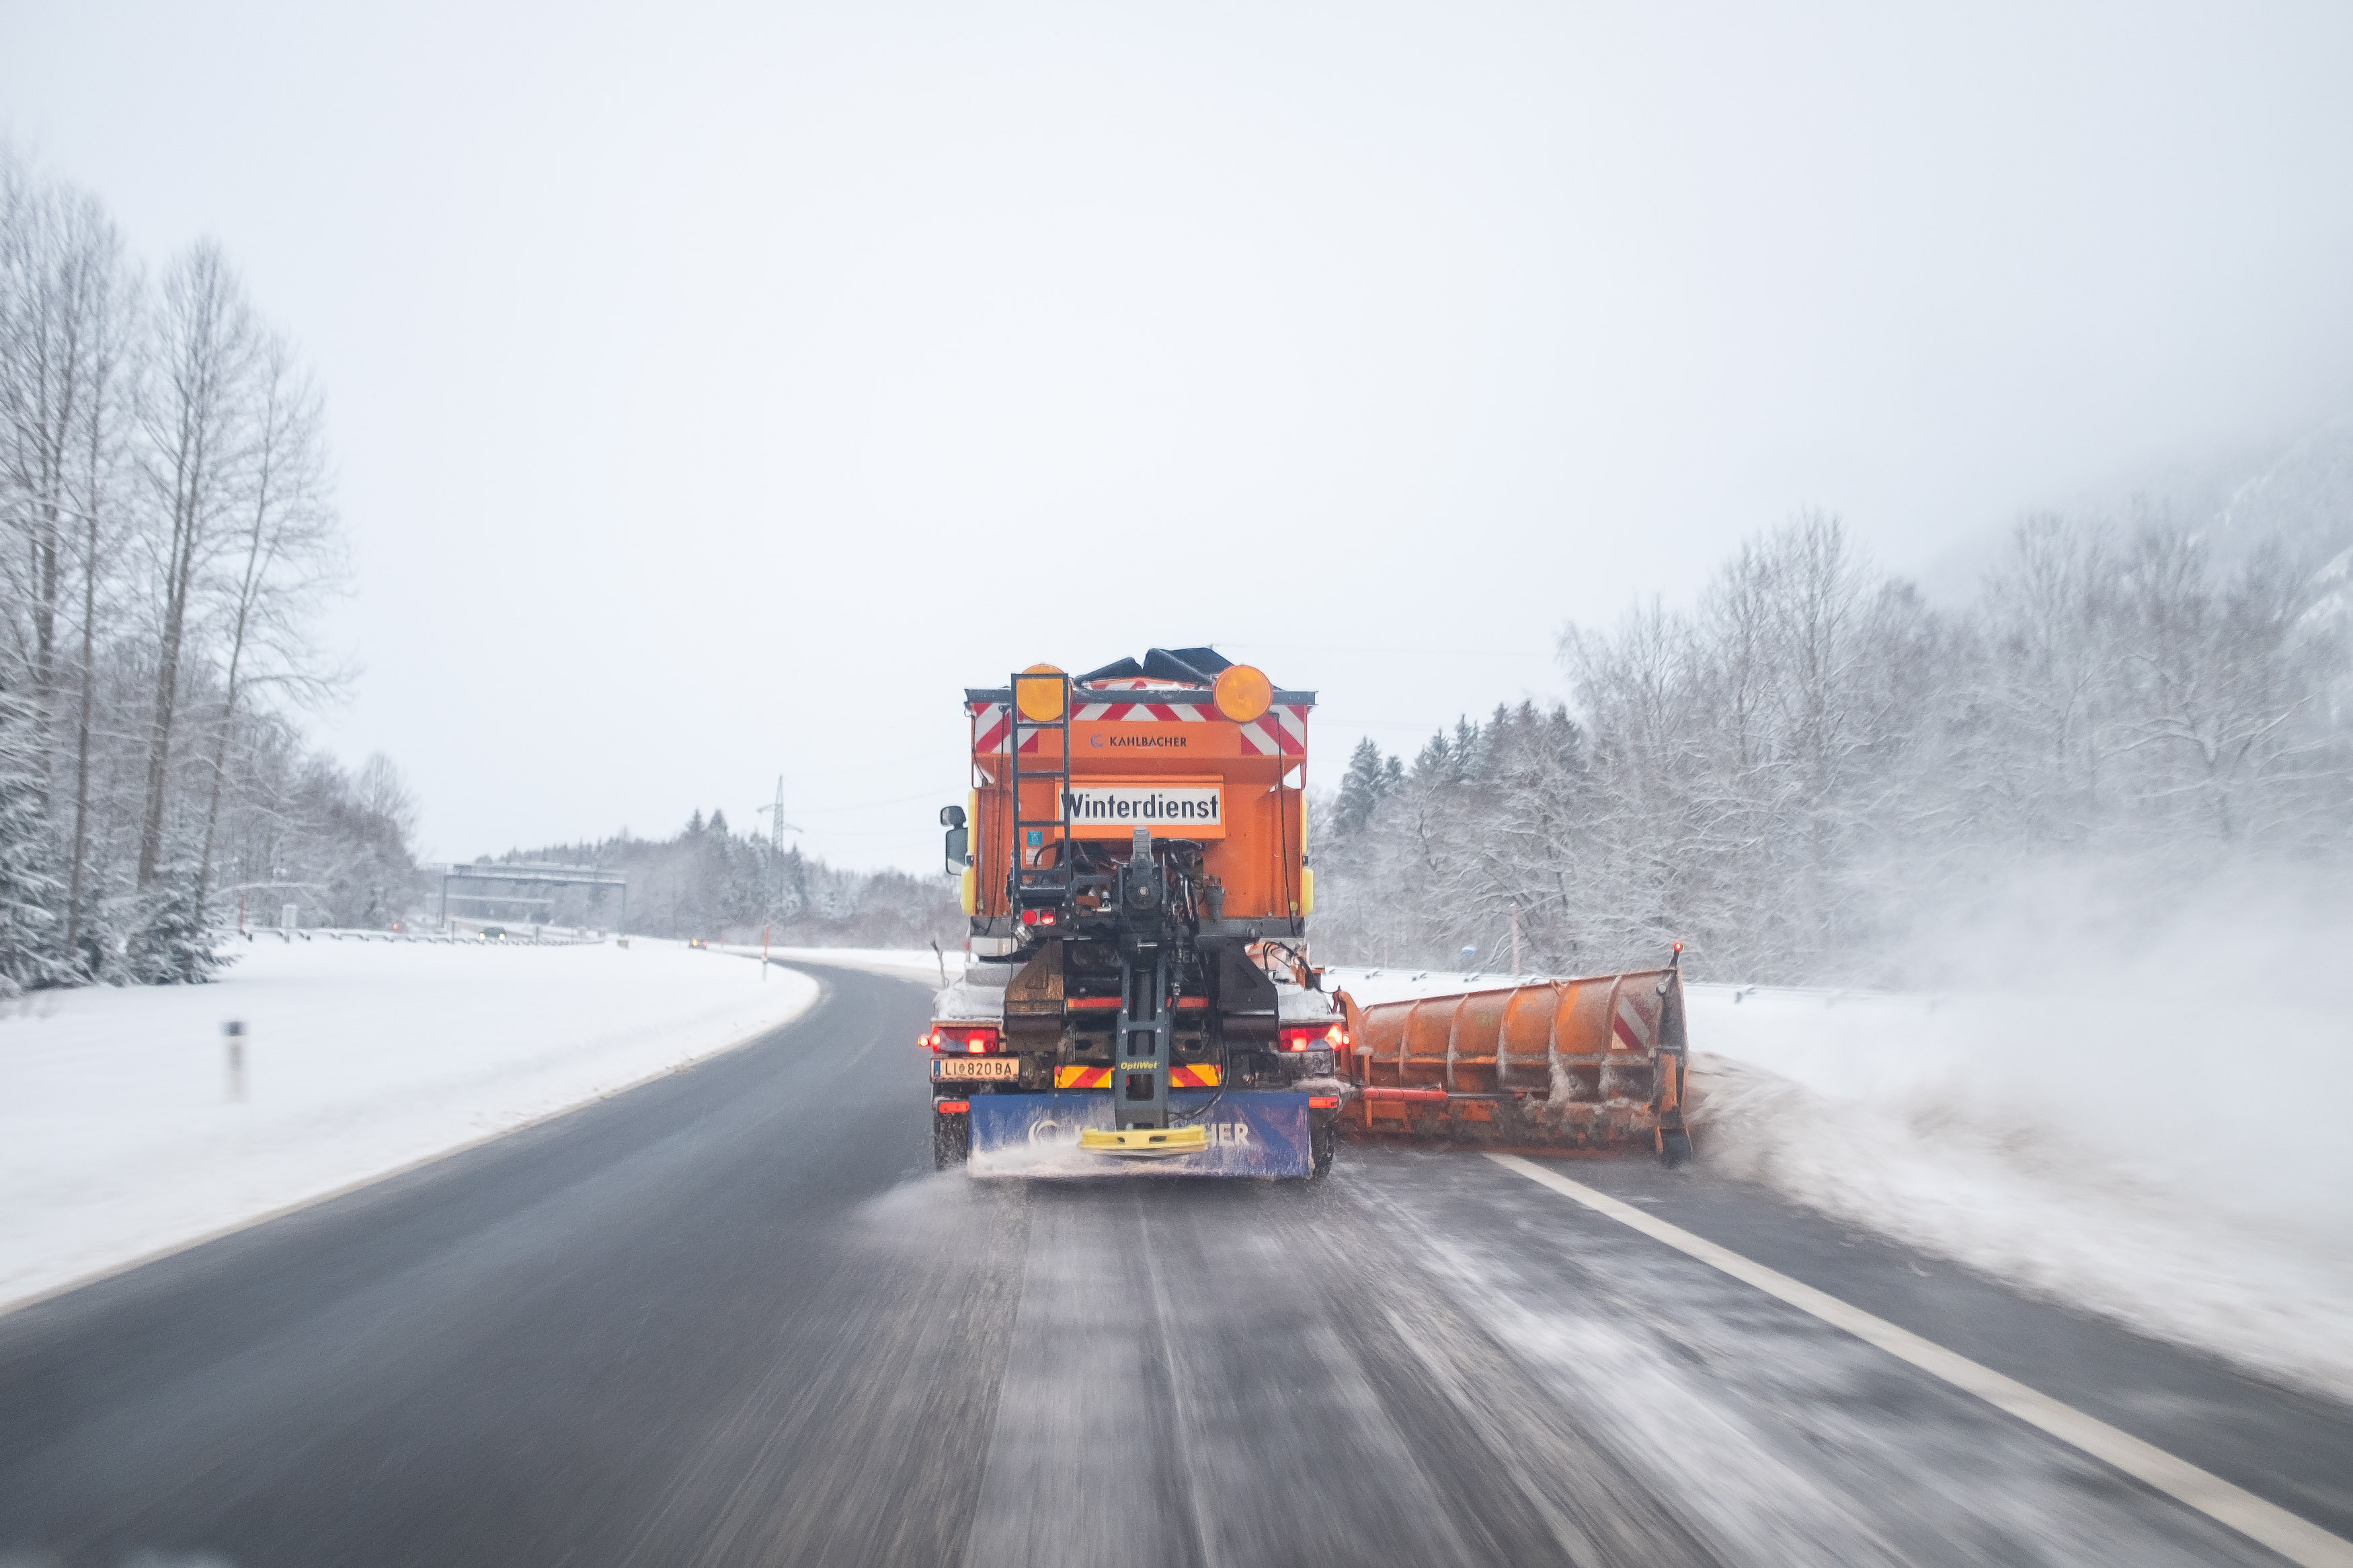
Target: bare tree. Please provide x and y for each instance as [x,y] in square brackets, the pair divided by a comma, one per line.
[197,409]
[2048,615]
[66,309]
[385,794]
[100,460]
[167,535]
[2213,678]
[37,399]
[285,553]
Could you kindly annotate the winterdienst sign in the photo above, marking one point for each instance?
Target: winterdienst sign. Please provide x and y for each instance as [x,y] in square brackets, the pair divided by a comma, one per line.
[1176,808]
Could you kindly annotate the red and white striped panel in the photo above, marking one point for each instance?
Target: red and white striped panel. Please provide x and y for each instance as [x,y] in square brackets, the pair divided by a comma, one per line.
[1139,712]
[1637,1016]
[1280,730]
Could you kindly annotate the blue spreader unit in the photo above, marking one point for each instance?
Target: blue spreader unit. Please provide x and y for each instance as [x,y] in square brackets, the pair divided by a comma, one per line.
[1253,1132]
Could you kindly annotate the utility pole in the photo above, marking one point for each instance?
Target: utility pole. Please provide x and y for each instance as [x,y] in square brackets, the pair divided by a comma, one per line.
[776,826]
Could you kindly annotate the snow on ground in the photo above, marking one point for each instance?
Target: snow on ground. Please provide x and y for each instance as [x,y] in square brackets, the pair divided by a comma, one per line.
[912,963]
[2129,1141]
[2141,1148]
[119,1139]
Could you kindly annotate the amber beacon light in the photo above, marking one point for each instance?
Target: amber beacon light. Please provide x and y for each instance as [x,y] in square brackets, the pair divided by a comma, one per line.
[1037,692]
[1242,693]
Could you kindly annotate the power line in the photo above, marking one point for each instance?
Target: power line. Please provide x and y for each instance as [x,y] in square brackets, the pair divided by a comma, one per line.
[1418,652]
[873,804]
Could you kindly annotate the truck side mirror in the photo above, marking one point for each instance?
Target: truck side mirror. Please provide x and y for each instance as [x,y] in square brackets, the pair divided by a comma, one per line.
[959,842]
[950,816]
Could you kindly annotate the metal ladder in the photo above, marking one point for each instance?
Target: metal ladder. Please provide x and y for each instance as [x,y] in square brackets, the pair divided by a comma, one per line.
[1034,885]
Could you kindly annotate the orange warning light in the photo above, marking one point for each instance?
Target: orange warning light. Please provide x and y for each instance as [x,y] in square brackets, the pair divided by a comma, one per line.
[1037,692]
[1242,693]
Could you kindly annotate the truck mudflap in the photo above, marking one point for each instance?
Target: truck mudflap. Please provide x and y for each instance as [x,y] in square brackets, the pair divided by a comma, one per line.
[1251,1132]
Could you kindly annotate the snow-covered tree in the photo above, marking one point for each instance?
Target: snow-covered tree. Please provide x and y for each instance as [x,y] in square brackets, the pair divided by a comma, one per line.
[1368,777]
[30,940]
[170,944]
[165,535]
[1792,773]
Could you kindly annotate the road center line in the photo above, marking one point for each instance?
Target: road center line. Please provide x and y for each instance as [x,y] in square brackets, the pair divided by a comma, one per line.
[2295,1538]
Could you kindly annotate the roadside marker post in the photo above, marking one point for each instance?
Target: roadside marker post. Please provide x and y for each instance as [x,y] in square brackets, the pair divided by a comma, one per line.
[233,1035]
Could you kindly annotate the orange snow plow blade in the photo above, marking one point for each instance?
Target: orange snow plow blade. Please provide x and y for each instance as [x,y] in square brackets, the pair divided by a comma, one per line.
[1592,1065]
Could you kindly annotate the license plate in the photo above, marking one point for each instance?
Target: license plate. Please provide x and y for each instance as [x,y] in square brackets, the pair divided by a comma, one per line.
[975,1066]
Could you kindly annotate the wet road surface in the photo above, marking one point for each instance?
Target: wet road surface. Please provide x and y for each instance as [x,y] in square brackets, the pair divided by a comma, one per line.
[733,1317]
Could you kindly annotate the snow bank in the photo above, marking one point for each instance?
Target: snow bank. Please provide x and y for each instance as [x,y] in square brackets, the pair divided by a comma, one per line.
[915,960]
[2135,1142]
[1369,985]
[2141,1156]
[118,1139]
[909,962]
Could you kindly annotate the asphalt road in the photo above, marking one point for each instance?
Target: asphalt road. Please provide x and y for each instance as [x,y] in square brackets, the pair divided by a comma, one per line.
[733,1318]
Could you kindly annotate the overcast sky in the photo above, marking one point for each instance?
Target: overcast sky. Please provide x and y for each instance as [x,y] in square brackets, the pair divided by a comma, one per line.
[718,390]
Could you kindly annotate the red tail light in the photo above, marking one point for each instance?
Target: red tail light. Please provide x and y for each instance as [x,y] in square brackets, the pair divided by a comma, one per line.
[1036,917]
[952,1107]
[1314,1037]
[960,1038]
[1322,1102]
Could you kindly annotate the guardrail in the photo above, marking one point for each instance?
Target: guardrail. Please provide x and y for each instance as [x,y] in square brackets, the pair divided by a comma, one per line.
[444,939]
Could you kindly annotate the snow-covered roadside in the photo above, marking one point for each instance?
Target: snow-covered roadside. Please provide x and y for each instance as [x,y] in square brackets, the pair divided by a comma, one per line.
[119,1138]
[912,963]
[2138,1153]
[2140,1156]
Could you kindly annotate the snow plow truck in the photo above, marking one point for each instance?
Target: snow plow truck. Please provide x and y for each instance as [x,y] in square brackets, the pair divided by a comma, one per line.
[1133,857]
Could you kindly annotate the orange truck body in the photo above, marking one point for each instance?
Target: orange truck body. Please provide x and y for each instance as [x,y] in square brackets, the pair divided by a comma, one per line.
[1134,737]
[1134,859]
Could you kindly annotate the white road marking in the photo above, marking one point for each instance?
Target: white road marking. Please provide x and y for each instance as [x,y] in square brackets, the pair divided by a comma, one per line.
[2295,1538]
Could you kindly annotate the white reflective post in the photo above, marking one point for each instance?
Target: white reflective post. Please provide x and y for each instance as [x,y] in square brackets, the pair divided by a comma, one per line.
[233,1036]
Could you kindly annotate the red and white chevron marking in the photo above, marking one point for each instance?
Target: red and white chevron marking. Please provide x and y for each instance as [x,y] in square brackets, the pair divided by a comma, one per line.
[1280,730]
[1139,712]
[1637,1015]
[992,721]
